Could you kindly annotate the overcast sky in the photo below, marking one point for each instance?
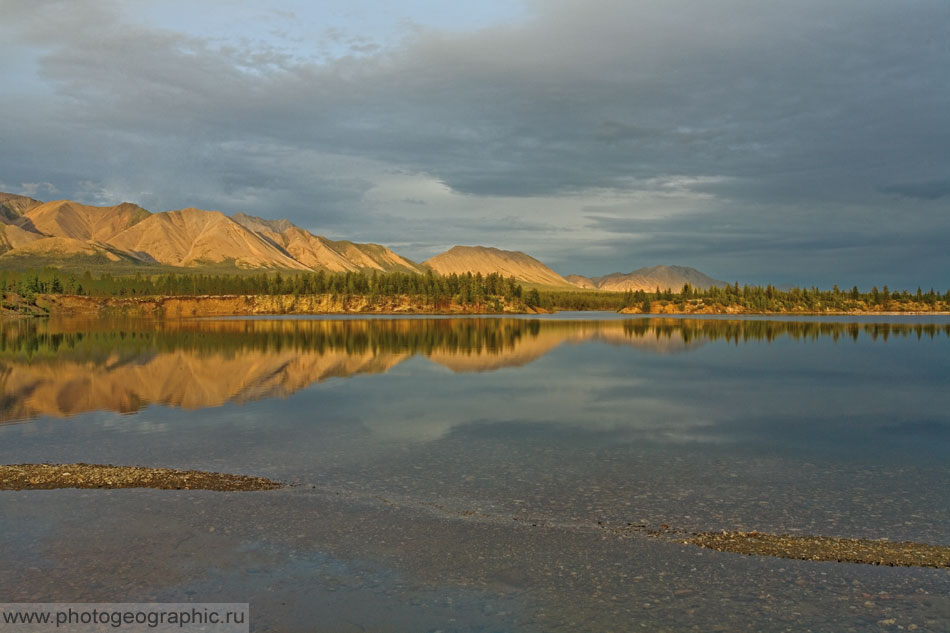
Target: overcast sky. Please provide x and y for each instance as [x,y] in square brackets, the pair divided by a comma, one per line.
[803,142]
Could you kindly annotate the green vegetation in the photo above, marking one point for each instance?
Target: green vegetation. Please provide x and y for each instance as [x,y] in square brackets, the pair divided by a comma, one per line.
[437,291]
[755,299]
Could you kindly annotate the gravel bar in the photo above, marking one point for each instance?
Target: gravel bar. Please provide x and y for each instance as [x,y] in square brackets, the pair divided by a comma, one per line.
[822,548]
[52,476]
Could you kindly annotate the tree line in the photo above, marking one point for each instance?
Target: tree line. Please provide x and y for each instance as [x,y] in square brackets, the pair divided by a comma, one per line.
[466,289]
[751,298]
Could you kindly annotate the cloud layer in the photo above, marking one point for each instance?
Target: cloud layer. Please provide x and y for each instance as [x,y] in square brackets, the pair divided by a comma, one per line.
[805,142]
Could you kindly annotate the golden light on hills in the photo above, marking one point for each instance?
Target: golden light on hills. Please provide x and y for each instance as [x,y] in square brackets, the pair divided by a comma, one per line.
[64,218]
[320,253]
[192,238]
[487,260]
[649,279]
[188,237]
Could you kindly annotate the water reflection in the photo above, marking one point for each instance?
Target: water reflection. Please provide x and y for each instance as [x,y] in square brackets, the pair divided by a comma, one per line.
[462,480]
[61,368]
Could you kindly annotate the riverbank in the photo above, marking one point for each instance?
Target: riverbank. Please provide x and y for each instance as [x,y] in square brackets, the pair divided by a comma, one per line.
[702,308]
[15,306]
[249,305]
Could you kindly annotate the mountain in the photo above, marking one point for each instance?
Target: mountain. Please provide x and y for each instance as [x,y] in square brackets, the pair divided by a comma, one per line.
[59,250]
[581,282]
[320,253]
[67,232]
[63,230]
[191,237]
[376,256]
[65,218]
[70,234]
[486,260]
[12,236]
[13,206]
[649,279]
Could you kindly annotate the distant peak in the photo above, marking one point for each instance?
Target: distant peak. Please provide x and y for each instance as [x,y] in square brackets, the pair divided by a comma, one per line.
[193,212]
[14,196]
[656,277]
[256,223]
[482,249]
[459,247]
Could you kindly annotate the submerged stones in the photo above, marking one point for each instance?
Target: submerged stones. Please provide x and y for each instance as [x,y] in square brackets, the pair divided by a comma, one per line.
[753,543]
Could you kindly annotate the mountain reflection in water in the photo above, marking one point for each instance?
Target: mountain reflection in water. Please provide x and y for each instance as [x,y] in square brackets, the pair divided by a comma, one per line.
[61,368]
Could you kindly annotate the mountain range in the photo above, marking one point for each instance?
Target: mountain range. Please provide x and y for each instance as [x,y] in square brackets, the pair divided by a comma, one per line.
[66,232]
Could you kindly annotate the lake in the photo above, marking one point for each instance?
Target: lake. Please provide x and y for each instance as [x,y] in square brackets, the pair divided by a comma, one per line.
[480,474]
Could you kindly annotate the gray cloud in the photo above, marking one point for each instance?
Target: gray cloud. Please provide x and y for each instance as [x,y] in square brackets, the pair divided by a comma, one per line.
[927,190]
[759,139]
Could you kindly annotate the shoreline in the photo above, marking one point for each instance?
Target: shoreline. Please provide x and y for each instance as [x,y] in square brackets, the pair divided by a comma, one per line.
[197,306]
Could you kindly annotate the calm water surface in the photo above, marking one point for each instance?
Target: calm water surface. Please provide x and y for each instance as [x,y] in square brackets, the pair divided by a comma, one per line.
[465,474]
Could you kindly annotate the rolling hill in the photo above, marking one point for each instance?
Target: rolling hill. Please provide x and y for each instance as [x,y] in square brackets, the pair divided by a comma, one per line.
[320,253]
[486,260]
[649,279]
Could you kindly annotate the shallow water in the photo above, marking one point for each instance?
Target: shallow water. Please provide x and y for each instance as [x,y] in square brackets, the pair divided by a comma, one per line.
[467,474]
